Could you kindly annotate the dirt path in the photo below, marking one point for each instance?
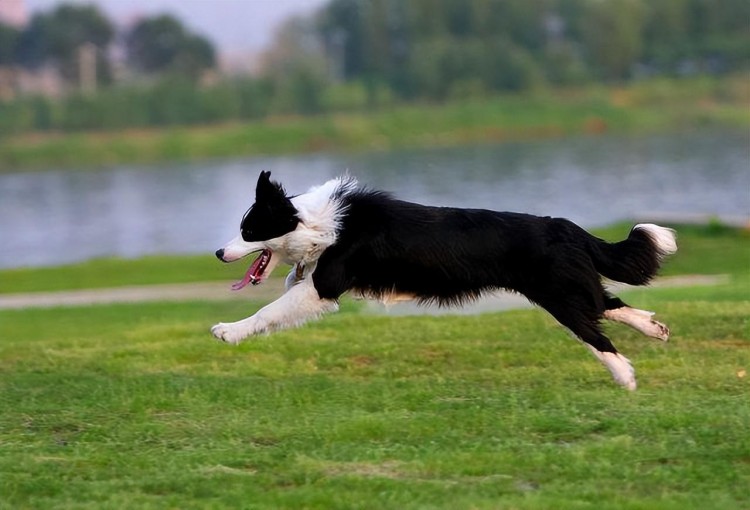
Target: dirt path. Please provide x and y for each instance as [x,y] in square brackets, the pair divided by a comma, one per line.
[202,291]
[220,291]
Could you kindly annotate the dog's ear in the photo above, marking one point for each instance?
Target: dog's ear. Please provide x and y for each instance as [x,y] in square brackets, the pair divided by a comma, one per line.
[267,189]
[265,176]
[272,215]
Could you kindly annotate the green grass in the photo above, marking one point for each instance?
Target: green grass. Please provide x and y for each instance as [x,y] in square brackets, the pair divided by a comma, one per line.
[135,406]
[115,272]
[642,107]
[702,249]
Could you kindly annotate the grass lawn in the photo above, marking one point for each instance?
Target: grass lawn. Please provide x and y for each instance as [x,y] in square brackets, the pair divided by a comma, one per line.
[135,406]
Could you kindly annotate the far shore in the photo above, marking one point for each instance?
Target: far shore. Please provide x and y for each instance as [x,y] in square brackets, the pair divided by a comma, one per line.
[659,106]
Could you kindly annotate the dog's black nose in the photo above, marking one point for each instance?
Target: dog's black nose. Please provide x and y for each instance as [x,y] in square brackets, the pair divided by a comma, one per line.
[220,254]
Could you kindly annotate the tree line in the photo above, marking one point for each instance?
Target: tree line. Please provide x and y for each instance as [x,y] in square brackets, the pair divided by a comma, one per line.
[154,45]
[359,54]
[439,48]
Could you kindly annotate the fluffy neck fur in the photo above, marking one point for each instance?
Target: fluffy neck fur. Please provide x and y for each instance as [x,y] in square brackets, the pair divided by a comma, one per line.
[320,210]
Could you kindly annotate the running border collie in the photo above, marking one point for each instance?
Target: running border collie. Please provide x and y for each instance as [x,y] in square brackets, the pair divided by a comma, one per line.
[340,237]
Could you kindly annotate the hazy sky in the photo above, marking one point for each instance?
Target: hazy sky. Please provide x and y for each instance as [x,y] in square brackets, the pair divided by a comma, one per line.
[233,25]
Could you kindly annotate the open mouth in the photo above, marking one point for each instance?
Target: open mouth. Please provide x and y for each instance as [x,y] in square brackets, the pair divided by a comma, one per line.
[255,273]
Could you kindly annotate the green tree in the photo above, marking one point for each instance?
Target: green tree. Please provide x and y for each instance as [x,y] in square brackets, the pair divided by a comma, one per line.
[57,37]
[612,36]
[342,29]
[297,66]
[162,44]
[8,45]
[719,31]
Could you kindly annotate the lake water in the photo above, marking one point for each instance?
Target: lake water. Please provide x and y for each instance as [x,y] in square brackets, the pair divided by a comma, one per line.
[56,217]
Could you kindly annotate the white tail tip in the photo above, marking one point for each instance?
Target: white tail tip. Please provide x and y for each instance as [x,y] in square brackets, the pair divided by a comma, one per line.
[664,238]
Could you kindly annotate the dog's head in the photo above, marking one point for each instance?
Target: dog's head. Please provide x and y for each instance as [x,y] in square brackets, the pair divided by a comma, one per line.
[271,217]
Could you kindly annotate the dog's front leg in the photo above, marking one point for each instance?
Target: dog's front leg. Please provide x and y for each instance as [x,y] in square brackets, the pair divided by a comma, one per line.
[299,304]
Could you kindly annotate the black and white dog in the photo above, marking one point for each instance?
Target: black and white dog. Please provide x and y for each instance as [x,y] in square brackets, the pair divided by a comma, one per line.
[341,238]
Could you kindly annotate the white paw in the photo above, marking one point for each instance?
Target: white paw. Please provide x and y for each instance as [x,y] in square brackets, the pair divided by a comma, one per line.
[619,366]
[228,333]
[650,327]
[659,331]
[621,369]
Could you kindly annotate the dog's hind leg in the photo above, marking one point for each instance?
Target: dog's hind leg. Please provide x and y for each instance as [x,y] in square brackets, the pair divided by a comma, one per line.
[587,329]
[640,320]
[298,305]
[574,311]
[574,296]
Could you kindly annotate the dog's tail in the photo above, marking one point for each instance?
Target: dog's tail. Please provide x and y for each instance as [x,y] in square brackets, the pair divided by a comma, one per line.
[637,259]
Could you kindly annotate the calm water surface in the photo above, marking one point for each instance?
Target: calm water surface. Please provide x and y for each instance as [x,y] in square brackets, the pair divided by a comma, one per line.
[56,217]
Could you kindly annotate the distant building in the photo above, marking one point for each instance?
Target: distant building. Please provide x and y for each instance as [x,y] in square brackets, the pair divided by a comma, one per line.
[45,81]
[14,81]
[14,13]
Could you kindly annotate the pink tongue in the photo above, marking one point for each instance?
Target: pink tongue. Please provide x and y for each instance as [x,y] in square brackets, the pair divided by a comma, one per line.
[254,273]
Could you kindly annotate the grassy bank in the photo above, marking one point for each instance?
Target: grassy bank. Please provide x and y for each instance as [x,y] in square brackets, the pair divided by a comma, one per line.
[135,406]
[643,107]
